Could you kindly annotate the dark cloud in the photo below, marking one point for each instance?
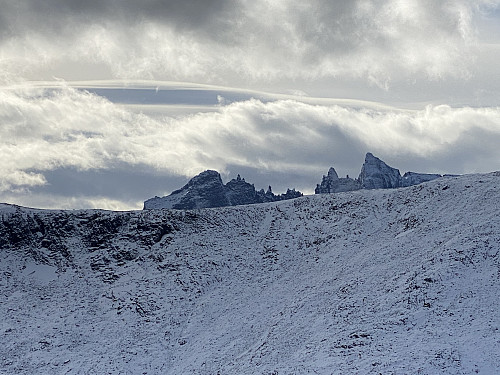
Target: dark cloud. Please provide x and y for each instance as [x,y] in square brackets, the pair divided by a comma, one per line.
[54,15]
[125,183]
[234,41]
[464,155]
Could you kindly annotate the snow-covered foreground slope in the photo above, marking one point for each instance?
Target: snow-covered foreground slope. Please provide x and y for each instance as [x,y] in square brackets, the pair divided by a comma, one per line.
[403,281]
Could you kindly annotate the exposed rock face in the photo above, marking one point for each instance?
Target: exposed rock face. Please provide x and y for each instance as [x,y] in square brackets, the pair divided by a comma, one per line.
[332,173]
[238,191]
[290,194]
[207,190]
[413,178]
[331,183]
[375,174]
[204,190]
[265,196]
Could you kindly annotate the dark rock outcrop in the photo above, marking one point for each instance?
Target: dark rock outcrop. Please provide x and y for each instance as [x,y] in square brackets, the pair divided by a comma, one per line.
[238,192]
[331,183]
[290,194]
[207,191]
[203,190]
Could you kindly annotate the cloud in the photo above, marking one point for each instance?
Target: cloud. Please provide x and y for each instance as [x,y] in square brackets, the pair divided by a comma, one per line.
[391,50]
[18,178]
[43,131]
[55,201]
[26,15]
[237,42]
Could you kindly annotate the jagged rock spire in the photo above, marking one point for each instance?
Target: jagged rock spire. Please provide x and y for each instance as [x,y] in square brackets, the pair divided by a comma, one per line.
[332,173]
[207,190]
[331,183]
[375,174]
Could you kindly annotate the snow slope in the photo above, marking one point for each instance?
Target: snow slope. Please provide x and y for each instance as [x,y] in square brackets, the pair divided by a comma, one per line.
[403,281]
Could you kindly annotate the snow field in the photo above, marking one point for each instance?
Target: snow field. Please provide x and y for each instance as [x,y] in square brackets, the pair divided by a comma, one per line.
[403,281]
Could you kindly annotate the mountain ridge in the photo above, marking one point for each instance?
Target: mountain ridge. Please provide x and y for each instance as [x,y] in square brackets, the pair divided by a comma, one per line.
[207,190]
[375,174]
[370,281]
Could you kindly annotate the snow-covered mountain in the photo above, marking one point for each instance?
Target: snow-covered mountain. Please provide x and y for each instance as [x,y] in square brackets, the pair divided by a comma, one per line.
[207,190]
[399,281]
[375,174]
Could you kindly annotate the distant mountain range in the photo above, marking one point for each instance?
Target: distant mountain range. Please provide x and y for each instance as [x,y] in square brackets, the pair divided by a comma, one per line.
[207,190]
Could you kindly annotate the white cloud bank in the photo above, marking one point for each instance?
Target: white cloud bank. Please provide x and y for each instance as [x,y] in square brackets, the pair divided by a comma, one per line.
[391,51]
[44,130]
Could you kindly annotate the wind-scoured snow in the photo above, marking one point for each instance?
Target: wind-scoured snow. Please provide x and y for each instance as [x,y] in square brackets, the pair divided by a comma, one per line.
[403,281]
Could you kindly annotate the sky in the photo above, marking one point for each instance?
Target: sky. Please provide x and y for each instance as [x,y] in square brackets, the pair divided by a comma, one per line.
[106,103]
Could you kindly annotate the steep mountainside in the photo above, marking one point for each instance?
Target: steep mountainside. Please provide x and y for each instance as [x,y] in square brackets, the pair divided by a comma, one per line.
[402,281]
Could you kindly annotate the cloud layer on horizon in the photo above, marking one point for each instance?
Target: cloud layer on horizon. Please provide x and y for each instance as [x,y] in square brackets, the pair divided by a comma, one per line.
[48,130]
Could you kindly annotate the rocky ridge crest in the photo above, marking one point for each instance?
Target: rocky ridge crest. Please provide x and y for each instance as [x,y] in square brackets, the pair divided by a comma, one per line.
[207,190]
[375,174]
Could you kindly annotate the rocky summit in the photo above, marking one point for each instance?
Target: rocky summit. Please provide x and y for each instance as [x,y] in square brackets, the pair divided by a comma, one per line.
[203,190]
[331,183]
[207,190]
[375,174]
